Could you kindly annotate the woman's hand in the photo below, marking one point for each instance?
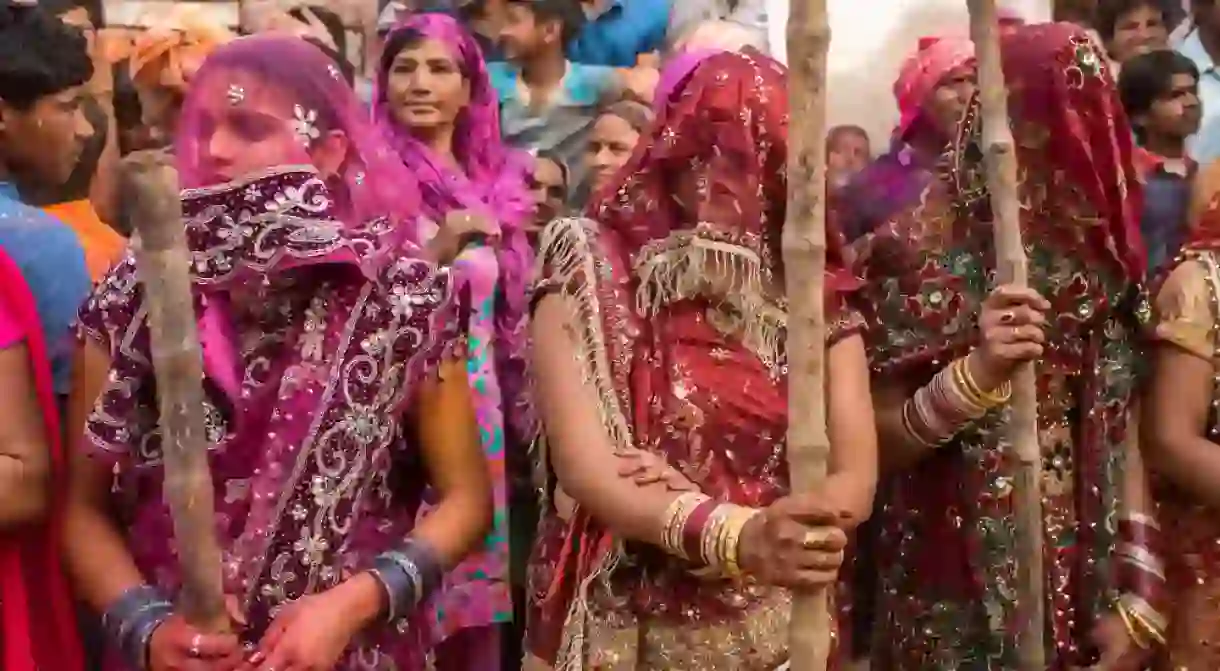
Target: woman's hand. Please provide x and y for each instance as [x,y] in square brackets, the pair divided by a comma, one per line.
[796,542]
[461,228]
[646,468]
[1118,651]
[1011,323]
[177,646]
[311,633]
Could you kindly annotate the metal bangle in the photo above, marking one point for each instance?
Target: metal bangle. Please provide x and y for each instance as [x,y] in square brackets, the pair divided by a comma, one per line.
[408,575]
[131,620]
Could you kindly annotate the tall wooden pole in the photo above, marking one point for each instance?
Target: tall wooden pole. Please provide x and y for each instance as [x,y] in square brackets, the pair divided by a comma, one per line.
[150,202]
[1012,268]
[804,251]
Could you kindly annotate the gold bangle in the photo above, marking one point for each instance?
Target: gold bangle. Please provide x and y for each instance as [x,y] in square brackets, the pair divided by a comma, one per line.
[1135,636]
[958,390]
[986,400]
[739,518]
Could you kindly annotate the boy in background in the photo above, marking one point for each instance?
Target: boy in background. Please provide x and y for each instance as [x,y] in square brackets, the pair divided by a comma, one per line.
[1160,92]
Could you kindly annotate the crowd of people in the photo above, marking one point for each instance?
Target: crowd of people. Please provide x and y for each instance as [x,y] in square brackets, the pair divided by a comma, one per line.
[493,341]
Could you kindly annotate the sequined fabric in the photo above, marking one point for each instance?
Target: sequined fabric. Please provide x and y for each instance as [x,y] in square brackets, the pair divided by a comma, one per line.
[948,569]
[1187,309]
[670,291]
[315,338]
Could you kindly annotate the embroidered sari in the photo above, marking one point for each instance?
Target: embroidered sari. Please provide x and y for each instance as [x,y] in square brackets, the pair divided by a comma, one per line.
[947,567]
[490,179]
[42,279]
[1186,313]
[682,371]
[319,320]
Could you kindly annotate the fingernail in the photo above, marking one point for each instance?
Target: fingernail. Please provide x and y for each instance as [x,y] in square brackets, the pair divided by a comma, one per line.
[256,658]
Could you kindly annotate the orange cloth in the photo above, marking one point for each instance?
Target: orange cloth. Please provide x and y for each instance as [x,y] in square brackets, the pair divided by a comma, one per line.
[103,245]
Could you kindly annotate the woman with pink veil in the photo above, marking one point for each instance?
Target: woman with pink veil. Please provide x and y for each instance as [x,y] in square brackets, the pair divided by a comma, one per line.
[439,112]
[334,357]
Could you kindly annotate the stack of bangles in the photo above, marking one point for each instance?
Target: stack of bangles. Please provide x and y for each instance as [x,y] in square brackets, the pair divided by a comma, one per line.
[131,620]
[1141,579]
[950,401]
[409,575]
[701,530]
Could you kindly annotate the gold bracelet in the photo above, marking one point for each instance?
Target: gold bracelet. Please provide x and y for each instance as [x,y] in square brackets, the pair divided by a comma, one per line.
[1137,609]
[741,517]
[957,391]
[1131,632]
[992,399]
[987,400]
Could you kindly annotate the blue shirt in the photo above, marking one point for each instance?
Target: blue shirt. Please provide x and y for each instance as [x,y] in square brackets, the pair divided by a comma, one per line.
[561,126]
[617,36]
[1204,146]
[53,265]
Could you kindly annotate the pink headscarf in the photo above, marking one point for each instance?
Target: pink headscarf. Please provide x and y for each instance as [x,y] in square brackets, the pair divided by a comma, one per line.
[371,183]
[676,70]
[934,60]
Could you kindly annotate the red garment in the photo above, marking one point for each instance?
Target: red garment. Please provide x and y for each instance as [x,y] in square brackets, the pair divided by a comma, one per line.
[686,371]
[946,558]
[39,623]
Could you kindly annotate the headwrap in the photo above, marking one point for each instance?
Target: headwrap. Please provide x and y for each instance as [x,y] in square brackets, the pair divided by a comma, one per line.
[934,60]
[171,51]
[676,70]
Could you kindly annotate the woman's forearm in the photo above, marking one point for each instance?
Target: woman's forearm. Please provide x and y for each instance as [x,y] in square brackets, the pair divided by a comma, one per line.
[1191,463]
[23,489]
[455,527]
[96,556]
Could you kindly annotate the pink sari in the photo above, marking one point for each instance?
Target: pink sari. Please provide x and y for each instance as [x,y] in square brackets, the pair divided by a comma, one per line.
[38,630]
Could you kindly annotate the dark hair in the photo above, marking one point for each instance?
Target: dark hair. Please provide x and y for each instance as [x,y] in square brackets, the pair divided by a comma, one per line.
[569,14]
[1110,12]
[637,115]
[95,8]
[838,132]
[345,67]
[554,157]
[329,19]
[128,112]
[1147,78]
[39,55]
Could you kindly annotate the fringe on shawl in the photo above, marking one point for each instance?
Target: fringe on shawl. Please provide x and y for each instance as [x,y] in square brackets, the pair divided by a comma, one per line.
[690,264]
[566,262]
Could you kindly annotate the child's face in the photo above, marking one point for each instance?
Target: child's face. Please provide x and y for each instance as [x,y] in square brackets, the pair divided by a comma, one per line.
[1139,31]
[849,154]
[1177,113]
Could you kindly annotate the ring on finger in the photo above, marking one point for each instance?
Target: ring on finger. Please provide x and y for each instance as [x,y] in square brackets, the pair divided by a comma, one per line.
[195,643]
[815,537]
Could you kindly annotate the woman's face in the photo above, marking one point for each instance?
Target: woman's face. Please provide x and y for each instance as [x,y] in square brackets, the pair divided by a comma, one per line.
[949,101]
[549,190]
[425,88]
[1139,31]
[611,143]
[255,125]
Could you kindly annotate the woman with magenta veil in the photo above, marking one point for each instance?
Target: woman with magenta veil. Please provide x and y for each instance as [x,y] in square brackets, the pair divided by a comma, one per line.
[439,112]
[334,360]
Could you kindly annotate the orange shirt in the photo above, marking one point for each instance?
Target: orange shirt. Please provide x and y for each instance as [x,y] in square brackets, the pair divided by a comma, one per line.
[103,245]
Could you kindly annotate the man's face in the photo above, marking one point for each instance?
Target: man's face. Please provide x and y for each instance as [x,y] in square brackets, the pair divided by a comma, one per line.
[522,35]
[1177,113]
[44,142]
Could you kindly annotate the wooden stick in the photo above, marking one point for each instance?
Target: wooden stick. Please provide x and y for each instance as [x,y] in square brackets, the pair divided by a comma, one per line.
[150,202]
[1012,268]
[804,252]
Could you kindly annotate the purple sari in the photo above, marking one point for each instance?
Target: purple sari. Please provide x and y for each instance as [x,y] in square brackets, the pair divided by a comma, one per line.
[490,179]
[319,321]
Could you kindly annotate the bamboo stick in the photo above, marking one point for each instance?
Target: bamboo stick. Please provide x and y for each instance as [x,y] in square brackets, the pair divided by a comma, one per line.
[150,202]
[1012,268]
[804,252]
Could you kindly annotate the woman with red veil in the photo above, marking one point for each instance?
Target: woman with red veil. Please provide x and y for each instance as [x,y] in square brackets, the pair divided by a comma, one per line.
[944,342]
[661,379]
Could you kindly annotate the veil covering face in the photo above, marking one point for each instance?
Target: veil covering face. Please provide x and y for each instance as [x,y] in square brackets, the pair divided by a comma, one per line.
[308,93]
